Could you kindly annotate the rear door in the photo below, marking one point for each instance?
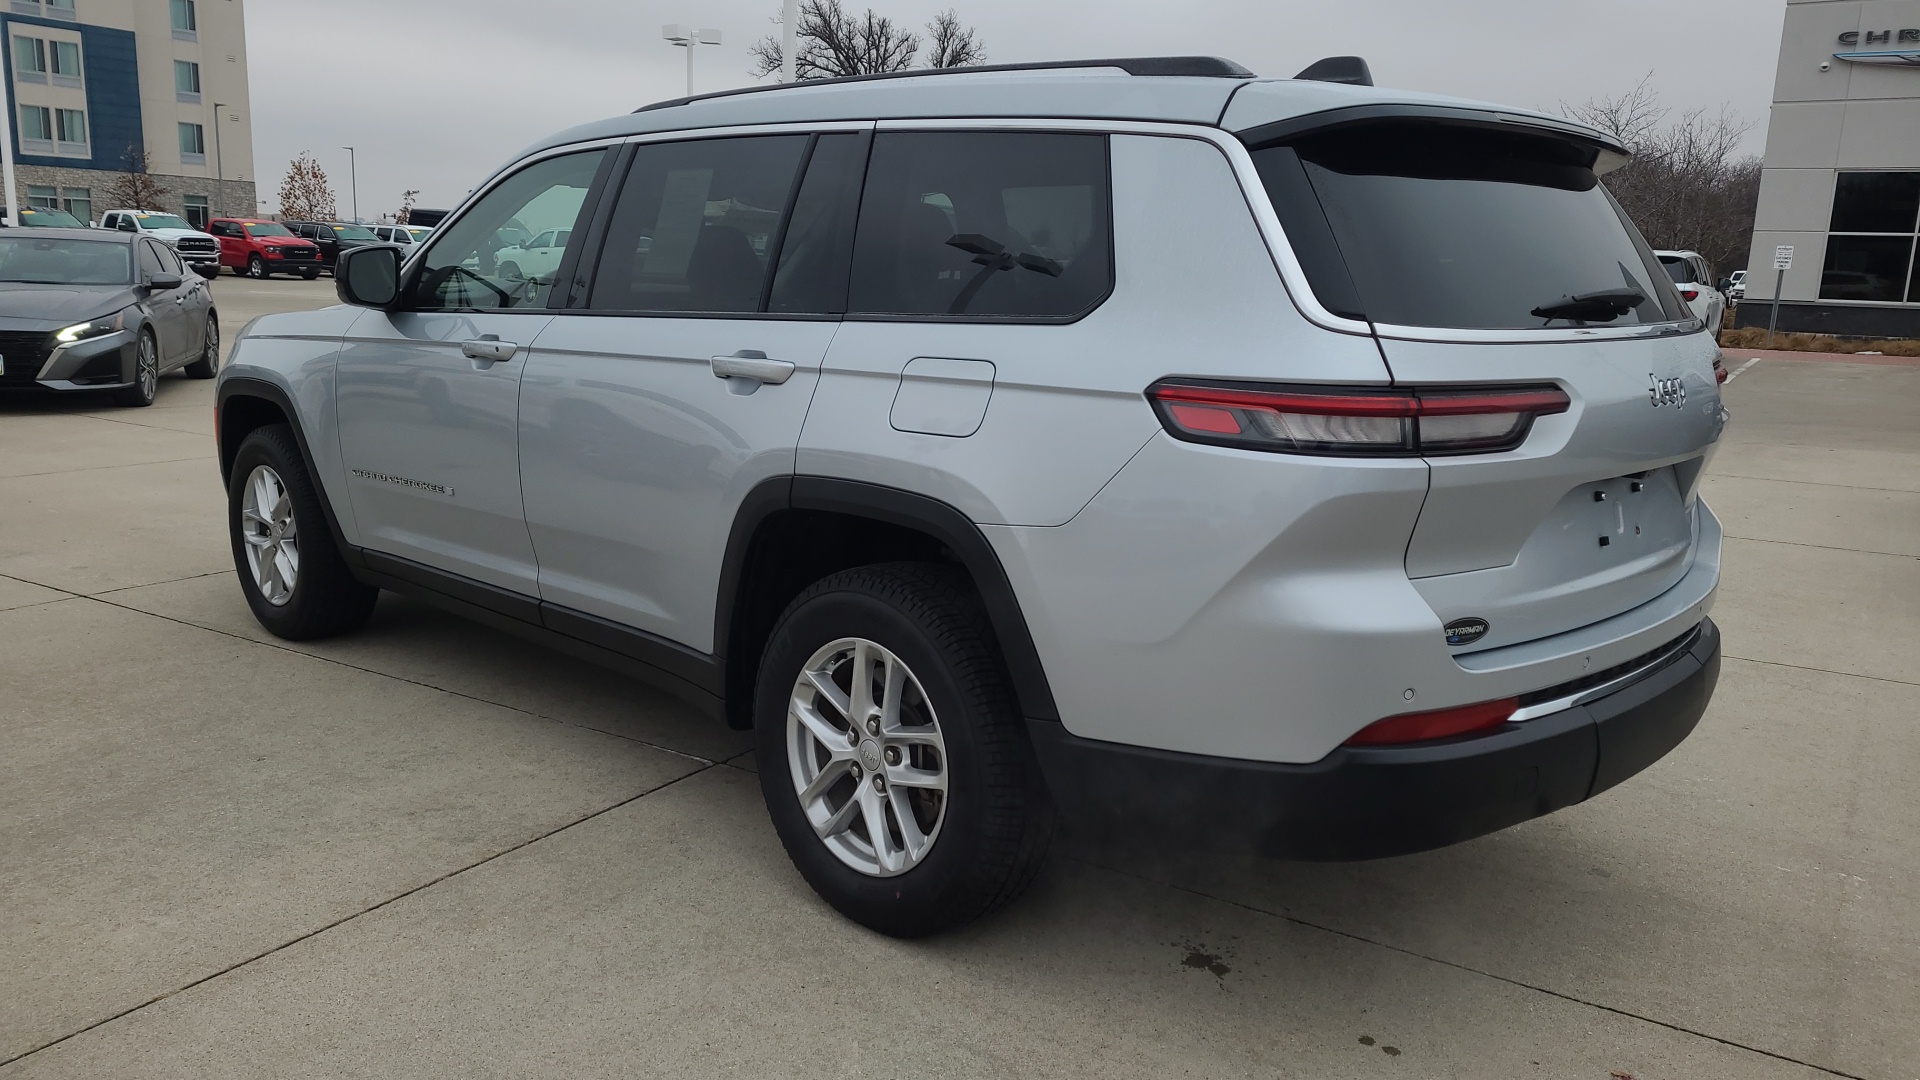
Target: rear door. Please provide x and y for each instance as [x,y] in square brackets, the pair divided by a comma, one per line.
[681,379]
[1489,258]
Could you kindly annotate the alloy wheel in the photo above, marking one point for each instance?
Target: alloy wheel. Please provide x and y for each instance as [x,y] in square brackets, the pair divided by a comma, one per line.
[147,368]
[867,758]
[211,355]
[272,539]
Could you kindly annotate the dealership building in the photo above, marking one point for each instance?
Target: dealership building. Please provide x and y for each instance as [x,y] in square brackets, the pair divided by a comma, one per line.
[90,81]
[1842,179]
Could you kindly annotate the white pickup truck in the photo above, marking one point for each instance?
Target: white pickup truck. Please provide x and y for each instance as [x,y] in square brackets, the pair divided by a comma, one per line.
[197,249]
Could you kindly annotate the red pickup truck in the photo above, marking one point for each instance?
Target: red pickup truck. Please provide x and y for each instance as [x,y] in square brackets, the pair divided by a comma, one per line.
[261,249]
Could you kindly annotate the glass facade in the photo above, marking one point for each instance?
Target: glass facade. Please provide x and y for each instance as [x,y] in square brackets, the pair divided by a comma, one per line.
[1872,238]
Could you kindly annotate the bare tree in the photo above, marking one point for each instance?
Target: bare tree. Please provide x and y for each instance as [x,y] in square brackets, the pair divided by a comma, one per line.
[1688,186]
[134,188]
[407,198]
[952,45]
[305,194]
[835,42]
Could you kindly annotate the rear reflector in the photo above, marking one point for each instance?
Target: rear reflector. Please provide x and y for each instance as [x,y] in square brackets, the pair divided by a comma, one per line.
[1438,724]
[1303,420]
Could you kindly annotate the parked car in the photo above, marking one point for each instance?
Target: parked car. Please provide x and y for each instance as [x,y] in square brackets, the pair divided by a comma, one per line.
[1694,278]
[332,237]
[404,235]
[197,249]
[261,249]
[1737,286]
[35,217]
[87,310]
[1267,464]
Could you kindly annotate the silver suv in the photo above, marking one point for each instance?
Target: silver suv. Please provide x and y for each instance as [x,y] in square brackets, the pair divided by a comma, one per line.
[1288,465]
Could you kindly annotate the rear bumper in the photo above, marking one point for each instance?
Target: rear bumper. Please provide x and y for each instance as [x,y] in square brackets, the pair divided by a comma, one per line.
[1363,803]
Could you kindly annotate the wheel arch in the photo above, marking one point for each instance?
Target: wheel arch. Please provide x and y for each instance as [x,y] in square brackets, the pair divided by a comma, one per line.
[793,530]
[245,405]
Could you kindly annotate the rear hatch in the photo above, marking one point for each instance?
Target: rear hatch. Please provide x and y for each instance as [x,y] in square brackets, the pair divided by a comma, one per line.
[1486,254]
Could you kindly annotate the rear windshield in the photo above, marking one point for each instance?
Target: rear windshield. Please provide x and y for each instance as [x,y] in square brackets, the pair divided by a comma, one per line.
[1422,224]
[1680,270]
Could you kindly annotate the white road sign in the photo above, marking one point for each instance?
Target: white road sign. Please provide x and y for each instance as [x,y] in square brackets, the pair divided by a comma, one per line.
[1783,257]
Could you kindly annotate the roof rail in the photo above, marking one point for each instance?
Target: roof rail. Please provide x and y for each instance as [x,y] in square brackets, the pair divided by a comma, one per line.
[1351,70]
[1205,67]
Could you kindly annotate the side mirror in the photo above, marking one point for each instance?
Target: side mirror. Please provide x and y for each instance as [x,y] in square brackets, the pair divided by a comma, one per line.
[164,282]
[127,226]
[368,276]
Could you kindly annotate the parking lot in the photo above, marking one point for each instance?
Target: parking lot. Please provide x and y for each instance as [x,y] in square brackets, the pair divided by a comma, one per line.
[429,849]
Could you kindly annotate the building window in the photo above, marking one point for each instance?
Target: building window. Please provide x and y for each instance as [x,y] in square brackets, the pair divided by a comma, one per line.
[43,198]
[36,129]
[66,62]
[186,81]
[71,131]
[193,144]
[29,59]
[185,26]
[197,212]
[1871,241]
[77,201]
[60,9]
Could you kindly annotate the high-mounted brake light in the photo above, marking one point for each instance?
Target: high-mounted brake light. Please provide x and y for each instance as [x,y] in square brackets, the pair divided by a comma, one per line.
[1438,724]
[1313,420]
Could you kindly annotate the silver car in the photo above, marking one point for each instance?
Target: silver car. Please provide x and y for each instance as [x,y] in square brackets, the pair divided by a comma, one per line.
[1280,465]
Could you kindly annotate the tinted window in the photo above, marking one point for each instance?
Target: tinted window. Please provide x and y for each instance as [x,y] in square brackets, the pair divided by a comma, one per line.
[463,270]
[1866,267]
[1680,270]
[817,251]
[983,223]
[1876,202]
[60,261]
[171,261]
[1455,227]
[150,260]
[696,225]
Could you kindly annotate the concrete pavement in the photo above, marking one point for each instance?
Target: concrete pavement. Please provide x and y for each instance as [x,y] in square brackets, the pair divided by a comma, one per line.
[428,849]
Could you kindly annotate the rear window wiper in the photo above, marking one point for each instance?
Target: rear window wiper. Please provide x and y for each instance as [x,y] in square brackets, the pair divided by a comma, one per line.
[1605,305]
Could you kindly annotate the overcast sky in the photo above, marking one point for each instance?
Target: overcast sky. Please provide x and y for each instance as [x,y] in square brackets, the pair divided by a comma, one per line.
[436,94]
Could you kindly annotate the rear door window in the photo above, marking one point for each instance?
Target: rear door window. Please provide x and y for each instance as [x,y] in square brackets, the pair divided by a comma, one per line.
[984,224]
[1459,227]
[696,225]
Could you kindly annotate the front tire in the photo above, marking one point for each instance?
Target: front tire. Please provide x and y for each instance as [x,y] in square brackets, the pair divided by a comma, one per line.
[309,275]
[209,363]
[291,572]
[146,375]
[256,267]
[915,805]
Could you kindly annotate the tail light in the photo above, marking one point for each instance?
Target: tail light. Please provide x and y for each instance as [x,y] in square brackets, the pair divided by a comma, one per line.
[1369,423]
[1720,369]
[1689,295]
[1438,724]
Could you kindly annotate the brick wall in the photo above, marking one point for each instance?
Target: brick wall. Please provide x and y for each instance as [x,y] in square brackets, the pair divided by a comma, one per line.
[231,198]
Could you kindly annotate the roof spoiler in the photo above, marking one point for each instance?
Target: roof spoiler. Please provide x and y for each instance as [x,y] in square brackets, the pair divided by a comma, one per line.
[1351,70]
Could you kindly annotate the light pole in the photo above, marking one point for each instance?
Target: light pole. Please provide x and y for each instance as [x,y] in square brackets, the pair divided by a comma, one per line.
[353,177]
[687,37]
[789,40]
[219,165]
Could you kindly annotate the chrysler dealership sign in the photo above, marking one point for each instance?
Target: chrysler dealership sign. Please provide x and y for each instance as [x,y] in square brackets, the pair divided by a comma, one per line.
[1898,46]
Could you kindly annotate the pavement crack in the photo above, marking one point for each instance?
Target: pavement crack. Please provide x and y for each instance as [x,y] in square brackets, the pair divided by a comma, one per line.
[344,919]
[1821,547]
[1828,671]
[1718,474]
[1470,969]
[104,468]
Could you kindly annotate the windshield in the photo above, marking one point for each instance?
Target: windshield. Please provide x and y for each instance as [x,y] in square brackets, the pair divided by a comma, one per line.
[354,232]
[419,234]
[1680,270]
[267,228]
[1414,223]
[58,219]
[58,260]
[163,221]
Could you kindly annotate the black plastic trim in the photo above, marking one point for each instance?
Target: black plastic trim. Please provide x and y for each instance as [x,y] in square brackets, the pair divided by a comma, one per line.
[1360,114]
[1373,802]
[1201,67]
[241,386]
[970,546]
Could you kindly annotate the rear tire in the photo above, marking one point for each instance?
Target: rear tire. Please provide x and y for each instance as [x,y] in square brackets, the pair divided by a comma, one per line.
[209,363]
[987,836]
[271,498]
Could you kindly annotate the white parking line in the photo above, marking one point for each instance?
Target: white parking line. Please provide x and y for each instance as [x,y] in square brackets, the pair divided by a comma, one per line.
[1741,368]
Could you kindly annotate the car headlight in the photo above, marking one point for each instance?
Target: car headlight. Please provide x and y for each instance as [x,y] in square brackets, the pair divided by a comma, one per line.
[272,249]
[85,330]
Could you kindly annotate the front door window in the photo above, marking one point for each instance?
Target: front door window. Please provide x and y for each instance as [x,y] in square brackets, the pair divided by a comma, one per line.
[479,262]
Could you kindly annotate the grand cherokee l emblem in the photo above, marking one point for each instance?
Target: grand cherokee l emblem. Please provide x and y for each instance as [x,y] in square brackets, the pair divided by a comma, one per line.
[1465,631]
[1666,391]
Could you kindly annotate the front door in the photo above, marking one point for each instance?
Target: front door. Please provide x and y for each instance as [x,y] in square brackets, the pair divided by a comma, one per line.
[429,395]
[647,418]
[164,312]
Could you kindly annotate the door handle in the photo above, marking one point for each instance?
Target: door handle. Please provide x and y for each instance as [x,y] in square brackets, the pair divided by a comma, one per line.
[752,364]
[490,348]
